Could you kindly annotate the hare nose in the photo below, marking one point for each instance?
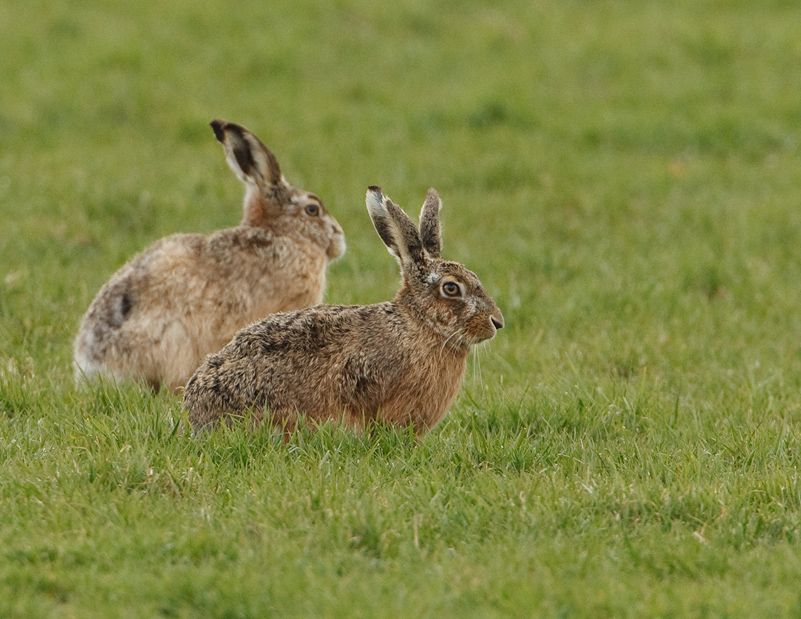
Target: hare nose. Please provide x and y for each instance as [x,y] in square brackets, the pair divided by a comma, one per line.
[497,321]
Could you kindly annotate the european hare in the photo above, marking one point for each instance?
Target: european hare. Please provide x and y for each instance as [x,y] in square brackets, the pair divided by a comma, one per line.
[187,294]
[400,362]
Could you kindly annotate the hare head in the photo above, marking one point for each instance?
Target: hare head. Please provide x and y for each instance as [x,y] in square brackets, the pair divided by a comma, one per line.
[445,295]
[270,200]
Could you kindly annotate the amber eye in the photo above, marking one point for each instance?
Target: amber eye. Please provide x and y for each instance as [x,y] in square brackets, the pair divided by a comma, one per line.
[313,209]
[450,289]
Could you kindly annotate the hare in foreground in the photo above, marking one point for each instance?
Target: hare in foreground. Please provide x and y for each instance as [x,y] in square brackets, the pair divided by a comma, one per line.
[400,362]
[187,294]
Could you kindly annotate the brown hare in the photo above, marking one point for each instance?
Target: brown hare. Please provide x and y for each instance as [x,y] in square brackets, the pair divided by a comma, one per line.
[187,294]
[399,362]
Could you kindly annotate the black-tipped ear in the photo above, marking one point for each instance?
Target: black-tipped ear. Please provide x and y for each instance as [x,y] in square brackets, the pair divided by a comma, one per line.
[217,125]
[381,220]
[234,137]
[395,228]
[430,231]
[247,156]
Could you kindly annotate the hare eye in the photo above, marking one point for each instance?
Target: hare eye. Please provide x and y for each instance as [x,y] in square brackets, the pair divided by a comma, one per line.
[312,210]
[450,289]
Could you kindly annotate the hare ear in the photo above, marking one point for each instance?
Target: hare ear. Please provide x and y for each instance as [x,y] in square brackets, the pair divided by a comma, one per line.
[430,232]
[395,228]
[247,156]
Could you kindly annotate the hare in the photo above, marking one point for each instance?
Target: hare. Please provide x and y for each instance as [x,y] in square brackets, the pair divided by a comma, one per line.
[187,294]
[399,362]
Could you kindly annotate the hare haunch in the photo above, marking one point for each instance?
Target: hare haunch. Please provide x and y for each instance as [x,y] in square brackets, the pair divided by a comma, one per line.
[400,362]
[187,294]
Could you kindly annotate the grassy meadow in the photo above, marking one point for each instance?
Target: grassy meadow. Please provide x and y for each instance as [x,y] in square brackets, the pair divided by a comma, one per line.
[624,177]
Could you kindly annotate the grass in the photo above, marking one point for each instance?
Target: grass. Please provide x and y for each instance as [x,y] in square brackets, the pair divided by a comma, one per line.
[622,176]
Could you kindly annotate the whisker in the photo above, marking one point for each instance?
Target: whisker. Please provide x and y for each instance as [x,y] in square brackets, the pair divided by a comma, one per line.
[445,343]
[477,368]
[442,350]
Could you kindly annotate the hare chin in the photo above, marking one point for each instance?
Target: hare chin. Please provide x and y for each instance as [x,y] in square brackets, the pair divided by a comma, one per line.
[479,339]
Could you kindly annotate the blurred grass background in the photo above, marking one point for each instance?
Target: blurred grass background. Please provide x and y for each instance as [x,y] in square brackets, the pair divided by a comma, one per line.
[623,176]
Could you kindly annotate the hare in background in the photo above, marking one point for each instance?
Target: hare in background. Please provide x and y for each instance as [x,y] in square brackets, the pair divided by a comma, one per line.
[400,362]
[185,296]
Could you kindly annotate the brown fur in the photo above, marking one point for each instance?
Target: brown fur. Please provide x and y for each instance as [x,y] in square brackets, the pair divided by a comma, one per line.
[187,295]
[400,362]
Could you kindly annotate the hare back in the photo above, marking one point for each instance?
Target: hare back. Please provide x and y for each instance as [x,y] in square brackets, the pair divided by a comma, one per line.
[242,271]
[355,363]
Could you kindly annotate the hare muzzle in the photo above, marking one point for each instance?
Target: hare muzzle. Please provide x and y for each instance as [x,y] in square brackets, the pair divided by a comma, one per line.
[497,320]
[337,246]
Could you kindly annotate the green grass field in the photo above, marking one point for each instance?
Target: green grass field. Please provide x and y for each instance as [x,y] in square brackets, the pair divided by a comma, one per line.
[624,176]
